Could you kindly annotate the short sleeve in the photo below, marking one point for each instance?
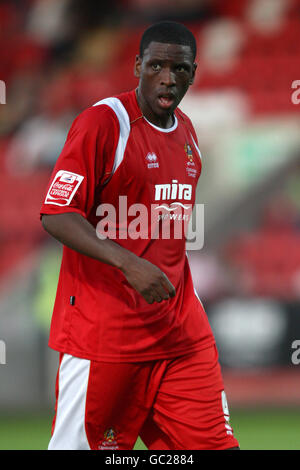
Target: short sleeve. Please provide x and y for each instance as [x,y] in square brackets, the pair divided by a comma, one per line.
[84,164]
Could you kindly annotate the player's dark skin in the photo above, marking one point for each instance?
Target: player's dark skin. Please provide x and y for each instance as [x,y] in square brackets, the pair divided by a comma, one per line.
[165,73]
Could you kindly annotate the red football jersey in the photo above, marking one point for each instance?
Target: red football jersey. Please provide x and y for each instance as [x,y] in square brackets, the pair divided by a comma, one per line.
[114,158]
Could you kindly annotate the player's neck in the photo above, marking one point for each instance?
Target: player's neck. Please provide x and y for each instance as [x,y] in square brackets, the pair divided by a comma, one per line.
[165,122]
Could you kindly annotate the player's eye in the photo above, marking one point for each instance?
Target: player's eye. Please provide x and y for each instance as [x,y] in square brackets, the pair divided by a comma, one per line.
[156,67]
[181,68]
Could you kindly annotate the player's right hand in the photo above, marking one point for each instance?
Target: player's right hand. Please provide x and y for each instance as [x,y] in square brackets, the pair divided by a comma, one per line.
[148,280]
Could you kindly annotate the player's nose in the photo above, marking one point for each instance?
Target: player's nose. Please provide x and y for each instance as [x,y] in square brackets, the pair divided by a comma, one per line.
[167,77]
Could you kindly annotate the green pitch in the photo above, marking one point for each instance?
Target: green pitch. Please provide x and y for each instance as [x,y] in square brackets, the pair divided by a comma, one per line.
[255,430]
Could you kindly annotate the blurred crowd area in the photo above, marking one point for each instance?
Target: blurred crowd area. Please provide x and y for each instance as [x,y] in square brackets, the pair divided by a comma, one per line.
[59,57]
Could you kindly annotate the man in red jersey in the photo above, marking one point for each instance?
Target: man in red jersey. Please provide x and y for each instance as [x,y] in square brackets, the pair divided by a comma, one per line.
[137,354]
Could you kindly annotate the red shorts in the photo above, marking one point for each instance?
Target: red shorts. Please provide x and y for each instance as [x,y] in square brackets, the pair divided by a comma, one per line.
[174,404]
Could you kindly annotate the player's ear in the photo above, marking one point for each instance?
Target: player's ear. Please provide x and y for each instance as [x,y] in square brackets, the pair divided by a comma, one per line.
[193,73]
[137,66]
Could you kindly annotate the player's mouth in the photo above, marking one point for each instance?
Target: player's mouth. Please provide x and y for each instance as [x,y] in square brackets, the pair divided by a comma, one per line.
[166,100]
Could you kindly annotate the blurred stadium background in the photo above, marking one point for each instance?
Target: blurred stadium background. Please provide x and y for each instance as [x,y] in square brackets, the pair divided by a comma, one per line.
[61,56]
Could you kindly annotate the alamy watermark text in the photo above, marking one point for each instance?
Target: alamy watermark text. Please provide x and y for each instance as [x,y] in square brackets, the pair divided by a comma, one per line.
[296,354]
[2,92]
[2,352]
[296,94]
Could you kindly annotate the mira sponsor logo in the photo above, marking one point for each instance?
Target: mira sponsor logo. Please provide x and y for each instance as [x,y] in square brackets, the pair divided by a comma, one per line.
[173,191]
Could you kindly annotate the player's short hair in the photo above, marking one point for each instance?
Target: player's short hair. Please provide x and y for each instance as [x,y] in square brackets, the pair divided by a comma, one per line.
[168,32]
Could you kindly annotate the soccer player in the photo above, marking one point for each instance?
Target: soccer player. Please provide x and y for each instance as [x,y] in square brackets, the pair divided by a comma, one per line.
[137,354]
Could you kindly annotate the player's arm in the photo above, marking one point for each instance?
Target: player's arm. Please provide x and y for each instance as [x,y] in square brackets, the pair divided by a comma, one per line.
[74,231]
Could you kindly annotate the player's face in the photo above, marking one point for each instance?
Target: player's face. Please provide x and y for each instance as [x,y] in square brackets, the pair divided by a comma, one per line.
[165,71]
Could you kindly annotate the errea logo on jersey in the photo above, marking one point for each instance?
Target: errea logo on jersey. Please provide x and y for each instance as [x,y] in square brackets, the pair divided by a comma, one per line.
[152,160]
[173,191]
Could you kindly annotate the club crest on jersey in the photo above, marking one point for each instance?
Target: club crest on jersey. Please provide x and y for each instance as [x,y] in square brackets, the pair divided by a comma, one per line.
[152,160]
[189,152]
[190,163]
[110,440]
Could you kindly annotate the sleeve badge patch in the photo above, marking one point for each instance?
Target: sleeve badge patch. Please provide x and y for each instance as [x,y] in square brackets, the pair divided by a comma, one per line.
[63,188]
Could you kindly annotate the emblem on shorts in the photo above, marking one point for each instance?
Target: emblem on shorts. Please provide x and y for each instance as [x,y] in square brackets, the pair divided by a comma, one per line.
[110,440]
